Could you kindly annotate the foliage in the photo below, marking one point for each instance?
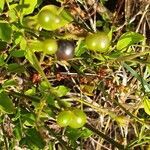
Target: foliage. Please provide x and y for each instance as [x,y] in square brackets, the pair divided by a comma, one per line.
[51,66]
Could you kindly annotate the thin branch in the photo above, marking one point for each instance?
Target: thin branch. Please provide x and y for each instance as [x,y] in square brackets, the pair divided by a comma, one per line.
[108,139]
[5,138]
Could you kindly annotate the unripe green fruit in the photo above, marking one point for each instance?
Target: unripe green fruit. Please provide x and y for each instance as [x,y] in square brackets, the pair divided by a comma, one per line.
[50,46]
[99,42]
[64,118]
[79,119]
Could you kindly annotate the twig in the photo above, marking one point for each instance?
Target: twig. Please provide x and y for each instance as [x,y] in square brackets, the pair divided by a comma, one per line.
[131,115]
[143,15]
[108,139]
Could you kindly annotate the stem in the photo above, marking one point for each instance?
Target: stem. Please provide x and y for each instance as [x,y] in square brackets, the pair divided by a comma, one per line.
[60,10]
[101,110]
[132,56]
[7,4]
[137,143]
[131,115]
[42,57]
[17,94]
[96,108]
[108,139]
[40,69]
[58,137]
[40,108]
[5,139]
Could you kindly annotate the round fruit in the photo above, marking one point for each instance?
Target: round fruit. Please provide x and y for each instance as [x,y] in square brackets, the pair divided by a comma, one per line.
[48,20]
[64,118]
[65,50]
[78,119]
[98,42]
[50,46]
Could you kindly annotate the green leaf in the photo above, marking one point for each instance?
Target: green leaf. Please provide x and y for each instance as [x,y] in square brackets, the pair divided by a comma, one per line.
[39,2]
[73,135]
[65,14]
[81,48]
[43,86]
[50,100]
[2,2]
[9,83]
[128,39]
[6,104]
[110,34]
[18,53]
[146,103]
[35,138]
[86,133]
[13,12]
[5,31]
[23,44]
[31,91]
[64,103]
[16,35]
[16,68]
[30,56]
[99,23]
[27,6]
[17,132]
[35,45]
[3,45]
[2,60]
[28,119]
[60,90]
[30,22]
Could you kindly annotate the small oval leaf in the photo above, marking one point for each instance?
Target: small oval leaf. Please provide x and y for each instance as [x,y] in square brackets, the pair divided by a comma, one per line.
[16,68]
[6,103]
[60,90]
[18,53]
[128,39]
[2,2]
[146,103]
[27,6]
[5,31]
[80,48]
[36,138]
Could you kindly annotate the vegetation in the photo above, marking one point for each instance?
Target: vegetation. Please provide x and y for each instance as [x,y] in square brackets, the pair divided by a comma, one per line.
[74,75]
